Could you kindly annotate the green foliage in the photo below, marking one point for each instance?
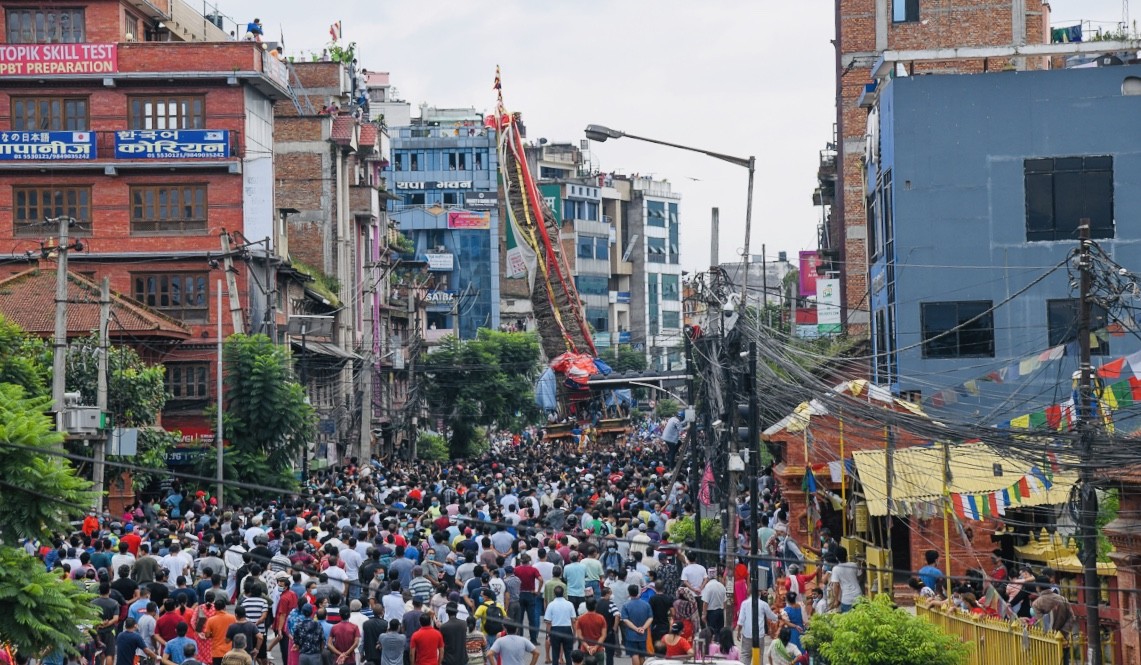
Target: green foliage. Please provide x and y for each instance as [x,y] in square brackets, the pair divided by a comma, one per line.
[487,381]
[326,286]
[877,633]
[682,531]
[43,612]
[431,447]
[343,55]
[667,407]
[1107,509]
[627,360]
[402,244]
[40,494]
[267,420]
[24,361]
[154,443]
[136,391]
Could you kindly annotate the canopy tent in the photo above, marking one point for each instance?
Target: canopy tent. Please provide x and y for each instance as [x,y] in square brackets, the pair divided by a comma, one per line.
[981,475]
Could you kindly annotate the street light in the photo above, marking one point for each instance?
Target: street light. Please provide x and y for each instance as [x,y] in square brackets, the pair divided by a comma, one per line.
[602,133]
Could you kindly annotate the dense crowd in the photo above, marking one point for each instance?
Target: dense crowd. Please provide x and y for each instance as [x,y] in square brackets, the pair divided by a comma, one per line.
[394,563]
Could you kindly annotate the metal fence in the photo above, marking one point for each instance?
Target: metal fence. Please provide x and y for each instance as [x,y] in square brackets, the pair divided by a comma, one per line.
[998,642]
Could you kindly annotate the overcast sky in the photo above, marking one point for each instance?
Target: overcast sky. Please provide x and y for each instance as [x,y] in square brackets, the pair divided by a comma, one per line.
[743,77]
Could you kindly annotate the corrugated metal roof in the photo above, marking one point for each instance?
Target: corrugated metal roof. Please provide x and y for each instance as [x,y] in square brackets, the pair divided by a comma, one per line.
[801,417]
[976,468]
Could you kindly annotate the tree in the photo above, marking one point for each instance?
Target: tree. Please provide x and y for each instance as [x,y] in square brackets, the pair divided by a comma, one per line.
[627,360]
[875,632]
[40,494]
[431,447]
[486,381]
[136,395]
[682,532]
[267,419]
[667,407]
[24,361]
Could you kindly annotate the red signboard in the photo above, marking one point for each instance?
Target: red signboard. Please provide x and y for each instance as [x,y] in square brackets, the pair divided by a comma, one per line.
[462,219]
[809,261]
[805,316]
[48,59]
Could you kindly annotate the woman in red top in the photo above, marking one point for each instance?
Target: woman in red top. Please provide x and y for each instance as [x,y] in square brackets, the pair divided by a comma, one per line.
[676,645]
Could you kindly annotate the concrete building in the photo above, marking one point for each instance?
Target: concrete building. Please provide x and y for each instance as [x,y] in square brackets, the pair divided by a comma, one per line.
[328,180]
[154,132]
[958,243]
[919,36]
[444,169]
[652,226]
[766,275]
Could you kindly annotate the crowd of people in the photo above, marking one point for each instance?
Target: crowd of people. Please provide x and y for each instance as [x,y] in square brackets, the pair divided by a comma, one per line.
[531,551]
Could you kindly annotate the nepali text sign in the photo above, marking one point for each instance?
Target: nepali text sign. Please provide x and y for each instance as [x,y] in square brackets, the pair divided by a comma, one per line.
[41,59]
[435,184]
[441,262]
[462,219]
[172,143]
[47,146]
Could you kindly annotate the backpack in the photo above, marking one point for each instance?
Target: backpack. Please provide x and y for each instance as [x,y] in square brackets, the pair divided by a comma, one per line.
[493,619]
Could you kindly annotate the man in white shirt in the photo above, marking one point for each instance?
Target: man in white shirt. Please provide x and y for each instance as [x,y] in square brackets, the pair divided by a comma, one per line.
[175,563]
[641,540]
[123,558]
[694,575]
[744,628]
[352,560]
[713,604]
[846,576]
[338,578]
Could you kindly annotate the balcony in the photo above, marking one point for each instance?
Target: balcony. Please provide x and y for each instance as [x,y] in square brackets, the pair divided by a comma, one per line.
[111,150]
[435,337]
[364,201]
[229,63]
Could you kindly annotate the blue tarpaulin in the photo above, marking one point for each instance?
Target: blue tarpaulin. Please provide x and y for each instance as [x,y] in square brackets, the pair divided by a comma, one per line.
[603,368]
[545,391]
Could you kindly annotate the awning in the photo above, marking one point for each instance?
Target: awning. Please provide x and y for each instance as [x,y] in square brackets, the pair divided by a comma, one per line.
[976,469]
[801,417]
[324,349]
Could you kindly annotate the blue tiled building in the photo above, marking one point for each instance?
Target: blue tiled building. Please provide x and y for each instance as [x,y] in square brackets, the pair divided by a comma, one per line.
[444,170]
[976,185]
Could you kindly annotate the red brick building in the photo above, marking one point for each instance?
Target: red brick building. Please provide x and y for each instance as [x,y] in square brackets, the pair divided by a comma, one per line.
[154,131]
[865,30]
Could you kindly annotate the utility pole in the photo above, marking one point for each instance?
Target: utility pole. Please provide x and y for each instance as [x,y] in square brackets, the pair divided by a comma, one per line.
[218,438]
[232,283]
[730,431]
[100,451]
[59,347]
[765,286]
[1087,422]
[695,456]
[754,472]
[371,356]
[715,231]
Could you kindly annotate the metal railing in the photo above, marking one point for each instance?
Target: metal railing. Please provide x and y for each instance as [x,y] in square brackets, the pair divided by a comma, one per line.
[998,642]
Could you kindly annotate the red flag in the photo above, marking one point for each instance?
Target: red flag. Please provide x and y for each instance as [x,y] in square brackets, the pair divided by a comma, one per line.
[1054,416]
[1024,488]
[1111,370]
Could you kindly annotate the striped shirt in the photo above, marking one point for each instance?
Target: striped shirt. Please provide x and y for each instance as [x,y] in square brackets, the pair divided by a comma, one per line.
[255,606]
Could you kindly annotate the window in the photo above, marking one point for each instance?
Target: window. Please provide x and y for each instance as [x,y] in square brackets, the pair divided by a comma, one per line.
[181,295]
[31,205]
[905,11]
[669,287]
[47,25]
[602,248]
[398,161]
[168,208]
[414,199]
[1062,321]
[457,161]
[188,381]
[414,161]
[1060,192]
[656,250]
[168,112]
[655,213]
[52,114]
[671,319]
[586,247]
[451,198]
[550,173]
[598,318]
[592,285]
[479,160]
[958,329]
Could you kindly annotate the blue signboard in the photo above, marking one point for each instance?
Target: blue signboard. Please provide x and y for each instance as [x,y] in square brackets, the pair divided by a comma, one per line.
[172,143]
[47,146]
[624,338]
[623,297]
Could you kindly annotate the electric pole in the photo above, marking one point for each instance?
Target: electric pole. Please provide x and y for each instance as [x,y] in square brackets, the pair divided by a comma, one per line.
[695,457]
[59,347]
[754,522]
[100,451]
[1087,422]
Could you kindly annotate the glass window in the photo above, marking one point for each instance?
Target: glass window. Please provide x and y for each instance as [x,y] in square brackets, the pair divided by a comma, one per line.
[592,285]
[52,114]
[1063,191]
[1062,320]
[31,205]
[478,166]
[602,248]
[181,295]
[414,162]
[188,381]
[655,213]
[47,25]
[671,319]
[398,160]
[673,213]
[451,198]
[905,11]
[586,247]
[592,211]
[570,210]
[670,287]
[168,208]
[958,329]
[414,199]
[168,112]
[598,318]
[656,250]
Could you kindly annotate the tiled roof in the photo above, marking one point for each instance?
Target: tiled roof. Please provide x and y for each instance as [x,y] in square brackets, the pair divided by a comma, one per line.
[28,299]
[343,129]
[368,136]
[1129,475]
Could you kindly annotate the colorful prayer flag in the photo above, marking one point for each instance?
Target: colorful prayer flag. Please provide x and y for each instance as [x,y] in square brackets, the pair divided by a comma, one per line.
[1021,422]
[1024,488]
[1111,370]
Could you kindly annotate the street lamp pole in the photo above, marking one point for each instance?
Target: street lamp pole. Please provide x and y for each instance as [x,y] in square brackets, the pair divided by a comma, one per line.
[601,133]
